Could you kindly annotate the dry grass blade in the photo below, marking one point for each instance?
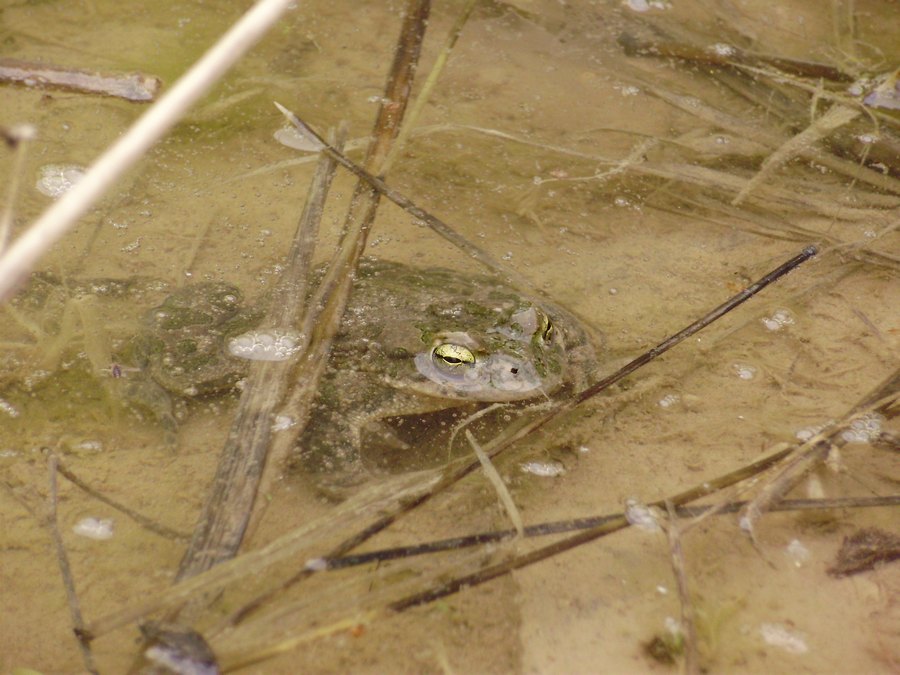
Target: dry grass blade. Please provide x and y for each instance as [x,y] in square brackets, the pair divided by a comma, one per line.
[688,622]
[429,84]
[334,289]
[698,513]
[305,543]
[772,139]
[221,526]
[729,56]
[882,401]
[139,518]
[499,486]
[404,202]
[836,117]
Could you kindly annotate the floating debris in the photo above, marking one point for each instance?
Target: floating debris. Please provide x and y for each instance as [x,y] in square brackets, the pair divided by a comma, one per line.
[646,5]
[177,649]
[886,93]
[641,516]
[806,433]
[779,635]
[863,550]
[292,138]
[137,87]
[283,422]
[797,552]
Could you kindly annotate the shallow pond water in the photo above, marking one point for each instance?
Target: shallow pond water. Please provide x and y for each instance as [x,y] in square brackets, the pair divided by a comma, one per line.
[581,169]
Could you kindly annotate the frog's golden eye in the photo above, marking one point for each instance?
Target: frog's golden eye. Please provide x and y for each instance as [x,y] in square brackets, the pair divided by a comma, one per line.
[452,356]
[546,328]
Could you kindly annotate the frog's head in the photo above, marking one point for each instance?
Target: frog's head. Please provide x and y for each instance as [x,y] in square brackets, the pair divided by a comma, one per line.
[518,354]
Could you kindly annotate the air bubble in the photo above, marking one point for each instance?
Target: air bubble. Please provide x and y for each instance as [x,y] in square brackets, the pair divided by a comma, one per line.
[543,469]
[744,371]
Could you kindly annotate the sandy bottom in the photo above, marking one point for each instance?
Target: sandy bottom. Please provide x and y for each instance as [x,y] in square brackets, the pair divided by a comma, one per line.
[518,150]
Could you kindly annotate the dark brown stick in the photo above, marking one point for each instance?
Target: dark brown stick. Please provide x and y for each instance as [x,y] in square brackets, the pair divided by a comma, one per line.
[578,524]
[730,56]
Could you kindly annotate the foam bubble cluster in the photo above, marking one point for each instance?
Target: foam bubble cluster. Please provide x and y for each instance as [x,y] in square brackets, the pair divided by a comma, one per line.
[57,179]
[264,345]
[865,429]
[94,528]
[778,320]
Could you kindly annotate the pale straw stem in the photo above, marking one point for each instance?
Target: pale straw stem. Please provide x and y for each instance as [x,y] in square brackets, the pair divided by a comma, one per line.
[63,214]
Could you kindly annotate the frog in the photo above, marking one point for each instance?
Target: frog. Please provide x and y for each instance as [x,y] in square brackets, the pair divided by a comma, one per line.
[419,341]
[413,341]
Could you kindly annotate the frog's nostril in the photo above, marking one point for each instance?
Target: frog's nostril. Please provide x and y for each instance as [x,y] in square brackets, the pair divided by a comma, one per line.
[514,371]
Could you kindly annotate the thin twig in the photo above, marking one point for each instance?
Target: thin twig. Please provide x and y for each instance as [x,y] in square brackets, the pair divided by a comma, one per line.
[688,623]
[66,570]
[836,117]
[579,524]
[729,56]
[139,518]
[19,258]
[333,291]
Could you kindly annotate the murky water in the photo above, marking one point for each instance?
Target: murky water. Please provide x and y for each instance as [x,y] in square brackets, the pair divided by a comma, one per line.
[520,149]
